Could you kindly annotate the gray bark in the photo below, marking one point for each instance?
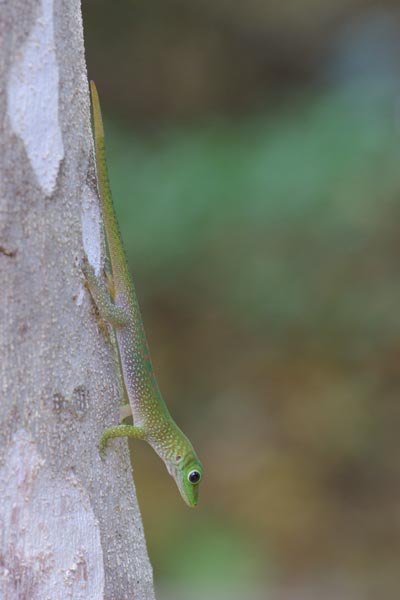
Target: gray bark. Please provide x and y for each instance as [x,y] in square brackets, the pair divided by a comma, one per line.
[70,526]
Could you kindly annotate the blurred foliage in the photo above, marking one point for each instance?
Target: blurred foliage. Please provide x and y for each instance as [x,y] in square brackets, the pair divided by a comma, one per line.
[264,203]
[261,218]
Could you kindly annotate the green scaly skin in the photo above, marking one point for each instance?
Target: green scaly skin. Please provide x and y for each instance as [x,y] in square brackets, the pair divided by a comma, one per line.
[118,305]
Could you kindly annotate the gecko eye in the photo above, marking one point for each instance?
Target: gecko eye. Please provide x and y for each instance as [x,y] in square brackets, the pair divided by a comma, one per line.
[194,476]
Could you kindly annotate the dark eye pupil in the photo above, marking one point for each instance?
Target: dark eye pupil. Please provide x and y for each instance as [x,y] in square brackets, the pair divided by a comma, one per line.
[194,477]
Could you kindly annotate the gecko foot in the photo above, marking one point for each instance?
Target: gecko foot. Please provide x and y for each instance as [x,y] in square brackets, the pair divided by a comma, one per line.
[102,446]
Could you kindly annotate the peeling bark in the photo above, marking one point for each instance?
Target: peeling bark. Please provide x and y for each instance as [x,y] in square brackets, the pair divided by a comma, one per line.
[70,525]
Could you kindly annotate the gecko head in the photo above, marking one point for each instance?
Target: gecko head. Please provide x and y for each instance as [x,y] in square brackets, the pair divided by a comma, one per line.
[187,474]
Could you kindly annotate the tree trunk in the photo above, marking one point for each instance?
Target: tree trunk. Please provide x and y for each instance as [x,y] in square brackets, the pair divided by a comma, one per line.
[70,526]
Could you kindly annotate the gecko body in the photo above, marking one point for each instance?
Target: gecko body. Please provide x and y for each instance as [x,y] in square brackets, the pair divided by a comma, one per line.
[118,304]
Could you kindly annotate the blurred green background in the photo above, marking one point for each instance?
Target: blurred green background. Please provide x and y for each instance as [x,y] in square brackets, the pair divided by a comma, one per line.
[254,154]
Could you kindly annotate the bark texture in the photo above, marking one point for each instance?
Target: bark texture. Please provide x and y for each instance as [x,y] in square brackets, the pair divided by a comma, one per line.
[70,526]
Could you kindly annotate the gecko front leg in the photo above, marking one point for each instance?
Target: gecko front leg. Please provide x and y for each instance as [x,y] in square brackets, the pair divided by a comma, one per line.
[119,431]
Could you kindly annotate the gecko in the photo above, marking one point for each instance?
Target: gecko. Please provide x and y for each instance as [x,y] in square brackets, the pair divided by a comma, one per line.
[117,304]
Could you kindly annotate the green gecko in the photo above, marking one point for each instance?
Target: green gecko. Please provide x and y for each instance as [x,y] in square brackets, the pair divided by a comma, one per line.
[118,305]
